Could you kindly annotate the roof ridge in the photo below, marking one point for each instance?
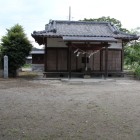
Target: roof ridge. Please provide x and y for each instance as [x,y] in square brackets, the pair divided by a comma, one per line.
[71,21]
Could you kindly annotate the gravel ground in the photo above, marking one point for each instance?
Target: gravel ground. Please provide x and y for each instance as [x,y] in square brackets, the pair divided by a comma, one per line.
[55,110]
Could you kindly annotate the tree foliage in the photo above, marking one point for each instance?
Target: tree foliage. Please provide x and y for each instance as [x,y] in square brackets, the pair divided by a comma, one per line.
[132,53]
[108,19]
[0,59]
[16,46]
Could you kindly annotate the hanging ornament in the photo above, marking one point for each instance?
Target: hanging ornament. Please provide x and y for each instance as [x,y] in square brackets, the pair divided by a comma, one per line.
[76,51]
[78,54]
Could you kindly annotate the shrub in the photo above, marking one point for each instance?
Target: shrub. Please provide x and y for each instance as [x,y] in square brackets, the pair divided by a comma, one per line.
[137,71]
[0,61]
[27,66]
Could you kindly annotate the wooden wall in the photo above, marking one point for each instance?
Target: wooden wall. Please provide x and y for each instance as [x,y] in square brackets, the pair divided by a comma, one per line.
[56,60]
[73,61]
[114,60]
[37,58]
[93,62]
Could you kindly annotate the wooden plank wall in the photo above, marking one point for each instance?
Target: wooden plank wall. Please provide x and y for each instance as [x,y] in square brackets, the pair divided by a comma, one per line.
[37,58]
[73,61]
[91,61]
[114,60]
[96,65]
[51,59]
[80,65]
[56,59]
[62,59]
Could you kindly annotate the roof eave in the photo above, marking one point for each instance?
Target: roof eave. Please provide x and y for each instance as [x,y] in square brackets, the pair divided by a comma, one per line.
[128,39]
[88,39]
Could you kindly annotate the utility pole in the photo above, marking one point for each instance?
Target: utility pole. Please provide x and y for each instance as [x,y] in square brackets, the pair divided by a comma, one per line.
[69,13]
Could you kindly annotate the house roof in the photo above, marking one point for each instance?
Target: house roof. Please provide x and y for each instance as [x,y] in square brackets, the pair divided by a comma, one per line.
[29,57]
[37,51]
[58,28]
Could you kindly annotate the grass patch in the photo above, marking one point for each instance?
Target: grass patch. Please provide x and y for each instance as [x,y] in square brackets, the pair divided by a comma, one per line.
[28,74]
[27,66]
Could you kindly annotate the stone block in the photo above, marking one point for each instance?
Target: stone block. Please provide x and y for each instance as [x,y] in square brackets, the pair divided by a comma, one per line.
[86,76]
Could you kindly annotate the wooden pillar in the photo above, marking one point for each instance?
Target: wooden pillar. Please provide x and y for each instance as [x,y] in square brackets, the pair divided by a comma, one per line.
[106,62]
[69,59]
[45,56]
[86,58]
[76,63]
[101,60]
[56,59]
[122,57]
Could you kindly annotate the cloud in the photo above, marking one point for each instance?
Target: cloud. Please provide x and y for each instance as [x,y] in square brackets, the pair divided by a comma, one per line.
[34,14]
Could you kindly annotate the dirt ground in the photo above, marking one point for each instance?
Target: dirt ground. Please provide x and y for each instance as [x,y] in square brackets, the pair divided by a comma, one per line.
[55,110]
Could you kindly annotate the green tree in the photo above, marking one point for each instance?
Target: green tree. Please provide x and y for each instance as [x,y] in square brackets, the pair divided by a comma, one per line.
[132,54]
[108,19]
[16,46]
[132,51]
[0,58]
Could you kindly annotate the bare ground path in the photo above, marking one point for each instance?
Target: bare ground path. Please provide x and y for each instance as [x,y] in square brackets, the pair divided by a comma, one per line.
[55,110]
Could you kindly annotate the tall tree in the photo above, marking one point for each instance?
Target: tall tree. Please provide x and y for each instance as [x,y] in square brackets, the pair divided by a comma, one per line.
[108,19]
[0,59]
[132,50]
[132,53]
[16,46]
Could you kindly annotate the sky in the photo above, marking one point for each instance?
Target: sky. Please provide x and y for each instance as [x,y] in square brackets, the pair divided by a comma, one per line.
[34,14]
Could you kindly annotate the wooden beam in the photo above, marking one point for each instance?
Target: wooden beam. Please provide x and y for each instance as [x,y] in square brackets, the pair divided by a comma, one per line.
[90,46]
[69,59]
[86,59]
[56,59]
[76,63]
[106,62]
[45,56]
[101,60]
[93,62]
[122,57]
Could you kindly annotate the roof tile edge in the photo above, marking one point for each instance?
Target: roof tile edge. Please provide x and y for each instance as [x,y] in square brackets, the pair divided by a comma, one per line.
[88,22]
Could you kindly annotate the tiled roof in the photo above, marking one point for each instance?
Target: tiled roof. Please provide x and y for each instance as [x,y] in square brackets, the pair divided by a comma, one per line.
[37,51]
[57,28]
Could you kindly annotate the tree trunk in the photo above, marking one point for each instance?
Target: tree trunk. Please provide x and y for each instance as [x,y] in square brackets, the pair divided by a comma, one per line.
[13,73]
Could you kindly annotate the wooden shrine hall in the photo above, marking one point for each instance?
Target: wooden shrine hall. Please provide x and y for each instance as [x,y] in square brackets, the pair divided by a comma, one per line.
[82,47]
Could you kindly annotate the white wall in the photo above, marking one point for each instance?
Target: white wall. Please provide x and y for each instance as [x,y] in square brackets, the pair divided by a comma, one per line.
[55,42]
[58,42]
[115,46]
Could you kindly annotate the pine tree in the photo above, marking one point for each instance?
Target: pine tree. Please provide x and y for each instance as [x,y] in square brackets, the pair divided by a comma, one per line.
[16,46]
